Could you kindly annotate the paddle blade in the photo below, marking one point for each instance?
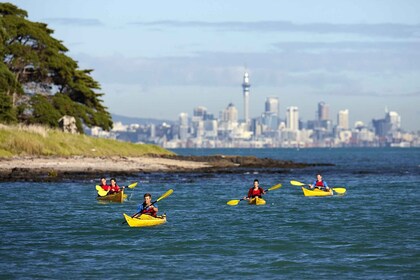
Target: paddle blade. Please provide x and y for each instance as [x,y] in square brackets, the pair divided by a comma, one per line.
[275,187]
[102,192]
[165,195]
[132,186]
[339,190]
[233,202]
[297,183]
[99,188]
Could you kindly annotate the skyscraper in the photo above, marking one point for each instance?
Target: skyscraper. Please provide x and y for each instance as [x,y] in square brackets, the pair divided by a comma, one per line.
[245,88]
[323,111]
[183,126]
[230,114]
[292,118]
[272,105]
[343,119]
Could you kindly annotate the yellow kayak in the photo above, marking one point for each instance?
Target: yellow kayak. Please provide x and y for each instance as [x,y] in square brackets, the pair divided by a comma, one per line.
[257,201]
[316,192]
[145,220]
[115,197]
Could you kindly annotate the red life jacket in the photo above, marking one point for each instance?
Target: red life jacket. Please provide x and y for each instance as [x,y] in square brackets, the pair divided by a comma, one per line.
[319,183]
[116,188]
[149,211]
[253,193]
[106,187]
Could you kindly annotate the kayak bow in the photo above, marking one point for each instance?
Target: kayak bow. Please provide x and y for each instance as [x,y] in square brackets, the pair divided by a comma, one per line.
[257,201]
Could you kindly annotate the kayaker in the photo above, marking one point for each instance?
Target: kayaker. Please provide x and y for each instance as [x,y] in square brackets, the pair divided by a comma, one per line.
[104,185]
[255,191]
[147,207]
[114,188]
[319,184]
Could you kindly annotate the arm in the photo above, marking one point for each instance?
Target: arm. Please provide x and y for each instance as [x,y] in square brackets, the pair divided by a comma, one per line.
[249,194]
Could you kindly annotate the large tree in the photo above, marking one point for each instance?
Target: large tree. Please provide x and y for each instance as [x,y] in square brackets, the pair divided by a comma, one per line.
[37,76]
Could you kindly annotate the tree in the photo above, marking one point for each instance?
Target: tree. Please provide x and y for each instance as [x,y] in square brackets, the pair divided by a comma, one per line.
[34,64]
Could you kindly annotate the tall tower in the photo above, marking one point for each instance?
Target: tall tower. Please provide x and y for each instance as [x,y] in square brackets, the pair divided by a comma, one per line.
[245,88]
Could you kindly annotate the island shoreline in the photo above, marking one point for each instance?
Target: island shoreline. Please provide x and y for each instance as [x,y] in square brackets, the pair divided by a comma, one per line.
[51,169]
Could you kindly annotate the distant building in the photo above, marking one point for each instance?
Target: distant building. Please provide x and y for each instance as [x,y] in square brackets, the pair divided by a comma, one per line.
[183,126]
[343,119]
[323,111]
[292,119]
[272,105]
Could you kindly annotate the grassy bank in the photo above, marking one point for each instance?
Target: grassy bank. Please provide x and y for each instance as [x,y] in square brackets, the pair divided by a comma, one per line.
[41,141]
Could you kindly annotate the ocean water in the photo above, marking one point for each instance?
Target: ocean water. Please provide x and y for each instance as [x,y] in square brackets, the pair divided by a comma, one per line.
[60,230]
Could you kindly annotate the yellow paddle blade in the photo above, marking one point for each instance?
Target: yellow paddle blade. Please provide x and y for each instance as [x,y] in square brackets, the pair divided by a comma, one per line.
[297,183]
[233,202]
[275,187]
[102,192]
[165,195]
[132,186]
[339,190]
[99,188]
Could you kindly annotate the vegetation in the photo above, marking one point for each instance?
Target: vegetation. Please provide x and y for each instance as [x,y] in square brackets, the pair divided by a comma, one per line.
[38,83]
[40,141]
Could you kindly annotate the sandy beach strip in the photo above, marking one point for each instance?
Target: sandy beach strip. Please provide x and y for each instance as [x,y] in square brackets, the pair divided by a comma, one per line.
[83,164]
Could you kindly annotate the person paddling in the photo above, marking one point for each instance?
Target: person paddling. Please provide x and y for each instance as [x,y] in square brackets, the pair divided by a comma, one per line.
[114,188]
[147,207]
[104,185]
[319,184]
[255,191]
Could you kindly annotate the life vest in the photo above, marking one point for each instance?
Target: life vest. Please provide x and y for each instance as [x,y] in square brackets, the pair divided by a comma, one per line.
[106,187]
[320,184]
[148,211]
[115,188]
[253,193]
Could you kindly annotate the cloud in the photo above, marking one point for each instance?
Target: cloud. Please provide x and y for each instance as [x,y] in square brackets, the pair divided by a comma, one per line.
[75,21]
[391,30]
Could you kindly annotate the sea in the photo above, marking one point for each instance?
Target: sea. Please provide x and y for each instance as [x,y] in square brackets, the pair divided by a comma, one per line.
[60,231]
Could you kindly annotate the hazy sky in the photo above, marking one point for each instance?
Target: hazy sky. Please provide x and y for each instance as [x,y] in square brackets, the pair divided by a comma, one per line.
[156,59]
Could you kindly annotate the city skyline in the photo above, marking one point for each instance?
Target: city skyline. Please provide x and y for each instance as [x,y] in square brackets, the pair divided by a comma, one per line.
[154,61]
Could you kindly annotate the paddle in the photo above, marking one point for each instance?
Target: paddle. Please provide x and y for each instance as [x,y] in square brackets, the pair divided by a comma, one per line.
[234,202]
[165,195]
[102,192]
[337,190]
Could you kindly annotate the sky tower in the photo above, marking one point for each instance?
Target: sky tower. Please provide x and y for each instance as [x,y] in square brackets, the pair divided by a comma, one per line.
[245,87]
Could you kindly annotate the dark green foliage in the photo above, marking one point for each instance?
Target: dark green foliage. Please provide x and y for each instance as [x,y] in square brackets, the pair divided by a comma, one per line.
[7,112]
[43,111]
[33,60]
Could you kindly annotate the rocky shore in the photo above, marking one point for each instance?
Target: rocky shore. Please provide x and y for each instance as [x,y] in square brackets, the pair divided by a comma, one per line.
[79,167]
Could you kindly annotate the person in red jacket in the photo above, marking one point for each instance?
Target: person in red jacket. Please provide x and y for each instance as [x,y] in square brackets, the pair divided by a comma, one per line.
[114,188]
[319,183]
[104,185]
[256,190]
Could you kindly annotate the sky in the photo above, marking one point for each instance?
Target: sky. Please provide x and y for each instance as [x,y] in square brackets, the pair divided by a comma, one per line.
[156,59]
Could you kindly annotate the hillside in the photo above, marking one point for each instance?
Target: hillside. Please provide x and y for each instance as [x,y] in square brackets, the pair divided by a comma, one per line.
[41,141]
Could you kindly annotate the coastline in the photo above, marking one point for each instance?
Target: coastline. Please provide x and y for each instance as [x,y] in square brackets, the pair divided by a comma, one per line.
[80,167]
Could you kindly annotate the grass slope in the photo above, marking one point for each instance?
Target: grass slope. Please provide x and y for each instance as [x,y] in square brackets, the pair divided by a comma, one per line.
[41,141]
